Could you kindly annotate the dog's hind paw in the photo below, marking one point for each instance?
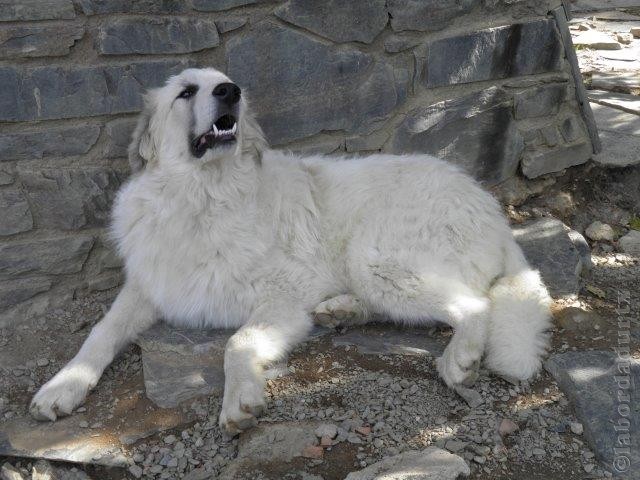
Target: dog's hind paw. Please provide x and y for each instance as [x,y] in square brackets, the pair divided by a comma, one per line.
[241,406]
[459,364]
[340,310]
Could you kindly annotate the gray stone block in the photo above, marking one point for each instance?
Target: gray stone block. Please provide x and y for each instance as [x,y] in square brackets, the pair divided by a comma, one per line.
[385,340]
[54,141]
[72,198]
[16,216]
[225,25]
[330,89]
[571,129]
[38,41]
[604,388]
[353,21]
[549,248]
[540,162]
[426,15]
[180,363]
[96,7]
[220,5]
[11,10]
[156,35]
[491,54]
[400,42]
[475,131]
[59,92]
[13,292]
[52,255]
[540,101]
[620,135]
[118,134]
[7,176]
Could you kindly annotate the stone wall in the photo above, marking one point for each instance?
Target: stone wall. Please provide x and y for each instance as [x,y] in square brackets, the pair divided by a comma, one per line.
[483,83]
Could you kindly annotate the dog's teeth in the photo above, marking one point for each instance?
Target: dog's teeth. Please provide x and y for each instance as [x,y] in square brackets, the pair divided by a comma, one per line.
[235,127]
[215,130]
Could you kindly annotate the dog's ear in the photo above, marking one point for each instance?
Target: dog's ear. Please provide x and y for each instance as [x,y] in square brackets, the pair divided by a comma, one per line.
[142,149]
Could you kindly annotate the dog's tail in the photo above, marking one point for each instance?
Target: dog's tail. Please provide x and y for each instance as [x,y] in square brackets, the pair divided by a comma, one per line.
[520,317]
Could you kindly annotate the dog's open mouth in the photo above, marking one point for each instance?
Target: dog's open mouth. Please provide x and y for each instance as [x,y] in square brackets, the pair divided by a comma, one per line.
[222,132]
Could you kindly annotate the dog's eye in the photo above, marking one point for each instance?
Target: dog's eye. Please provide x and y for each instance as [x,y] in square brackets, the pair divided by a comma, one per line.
[188,92]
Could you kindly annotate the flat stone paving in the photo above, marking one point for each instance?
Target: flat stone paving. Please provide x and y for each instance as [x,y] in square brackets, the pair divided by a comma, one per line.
[605,392]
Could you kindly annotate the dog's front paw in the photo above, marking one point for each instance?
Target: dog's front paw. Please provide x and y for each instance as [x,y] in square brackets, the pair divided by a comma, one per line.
[459,364]
[241,405]
[60,395]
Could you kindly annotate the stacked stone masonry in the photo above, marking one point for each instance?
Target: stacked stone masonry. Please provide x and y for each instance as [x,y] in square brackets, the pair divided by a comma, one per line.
[482,83]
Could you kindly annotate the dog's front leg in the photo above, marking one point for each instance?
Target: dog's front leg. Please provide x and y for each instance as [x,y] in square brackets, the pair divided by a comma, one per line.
[273,328]
[130,314]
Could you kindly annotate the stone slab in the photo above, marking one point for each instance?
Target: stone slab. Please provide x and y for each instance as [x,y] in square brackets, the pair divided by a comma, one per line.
[337,20]
[97,7]
[53,255]
[620,136]
[16,216]
[630,243]
[72,198]
[543,161]
[220,5]
[54,92]
[118,134]
[595,5]
[604,389]
[539,101]
[63,440]
[621,101]
[69,440]
[353,91]
[22,10]
[625,82]
[476,131]
[502,52]
[156,35]
[56,141]
[615,120]
[596,40]
[426,15]
[432,463]
[389,340]
[549,248]
[180,363]
[38,41]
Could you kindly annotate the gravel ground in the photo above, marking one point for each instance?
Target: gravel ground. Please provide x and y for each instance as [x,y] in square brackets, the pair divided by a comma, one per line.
[377,405]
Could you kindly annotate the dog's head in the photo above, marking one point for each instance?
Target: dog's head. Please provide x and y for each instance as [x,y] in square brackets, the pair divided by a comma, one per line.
[198,116]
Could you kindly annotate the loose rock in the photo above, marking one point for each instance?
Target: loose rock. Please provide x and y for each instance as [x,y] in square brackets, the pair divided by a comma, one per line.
[430,464]
[600,231]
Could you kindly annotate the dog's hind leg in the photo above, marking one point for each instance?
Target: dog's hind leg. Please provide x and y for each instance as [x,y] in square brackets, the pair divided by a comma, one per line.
[341,310]
[273,328]
[414,299]
[129,315]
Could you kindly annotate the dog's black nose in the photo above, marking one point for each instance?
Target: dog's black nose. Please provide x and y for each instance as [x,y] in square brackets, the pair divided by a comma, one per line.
[228,93]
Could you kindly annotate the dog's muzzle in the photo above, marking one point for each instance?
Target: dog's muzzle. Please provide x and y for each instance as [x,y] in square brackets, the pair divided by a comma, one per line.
[222,133]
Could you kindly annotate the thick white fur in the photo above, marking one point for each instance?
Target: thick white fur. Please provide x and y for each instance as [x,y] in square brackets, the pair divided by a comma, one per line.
[256,239]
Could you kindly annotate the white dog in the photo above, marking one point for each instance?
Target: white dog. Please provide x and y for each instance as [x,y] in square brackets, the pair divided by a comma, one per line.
[217,231]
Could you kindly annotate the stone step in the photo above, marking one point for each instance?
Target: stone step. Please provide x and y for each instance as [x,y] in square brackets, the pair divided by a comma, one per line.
[621,101]
[625,82]
[619,134]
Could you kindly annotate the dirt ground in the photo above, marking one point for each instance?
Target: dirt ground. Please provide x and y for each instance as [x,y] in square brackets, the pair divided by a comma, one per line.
[340,380]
